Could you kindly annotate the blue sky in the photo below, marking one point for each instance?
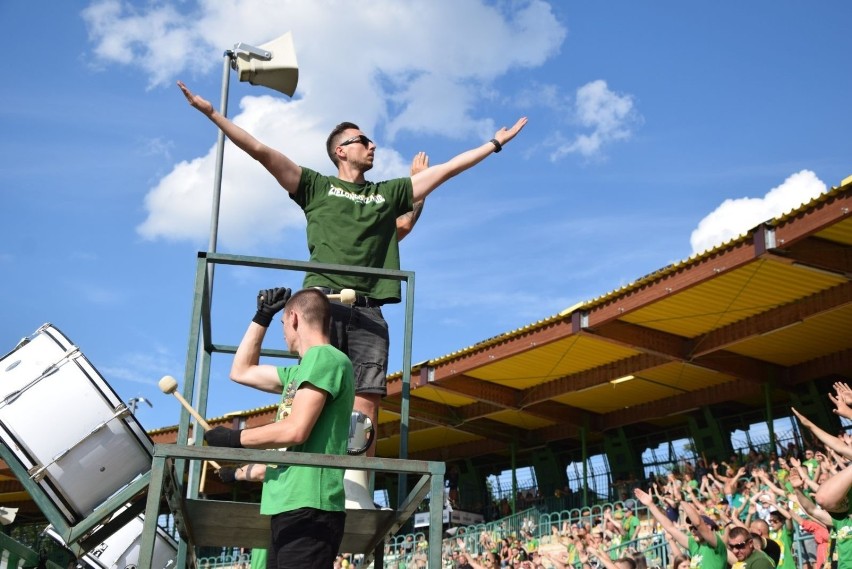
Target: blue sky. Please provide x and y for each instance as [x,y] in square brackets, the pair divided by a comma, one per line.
[656,130]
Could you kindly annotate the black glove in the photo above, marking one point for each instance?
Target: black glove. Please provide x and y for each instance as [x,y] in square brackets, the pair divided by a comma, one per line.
[223,437]
[228,474]
[269,302]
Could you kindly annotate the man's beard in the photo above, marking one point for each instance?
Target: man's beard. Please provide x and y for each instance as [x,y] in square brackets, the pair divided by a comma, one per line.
[364,165]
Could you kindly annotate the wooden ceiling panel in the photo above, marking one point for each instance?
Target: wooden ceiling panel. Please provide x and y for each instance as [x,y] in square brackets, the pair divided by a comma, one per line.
[424,440]
[747,291]
[609,397]
[840,232]
[539,365]
[685,377]
[802,341]
[526,421]
[430,393]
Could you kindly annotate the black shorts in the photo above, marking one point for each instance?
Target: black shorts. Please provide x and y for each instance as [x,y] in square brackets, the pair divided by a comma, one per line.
[361,333]
[305,538]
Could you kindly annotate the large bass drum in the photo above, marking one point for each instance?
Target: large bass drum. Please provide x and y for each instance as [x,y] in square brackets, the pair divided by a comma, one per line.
[66,426]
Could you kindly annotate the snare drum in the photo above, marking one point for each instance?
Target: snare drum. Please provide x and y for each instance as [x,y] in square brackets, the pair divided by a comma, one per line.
[66,426]
[121,549]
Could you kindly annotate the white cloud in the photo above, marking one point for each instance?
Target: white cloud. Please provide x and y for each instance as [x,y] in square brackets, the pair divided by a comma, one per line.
[403,67]
[157,40]
[252,205]
[737,216]
[608,115]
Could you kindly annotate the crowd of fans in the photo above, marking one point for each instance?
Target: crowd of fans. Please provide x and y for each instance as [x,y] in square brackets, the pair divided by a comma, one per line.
[787,510]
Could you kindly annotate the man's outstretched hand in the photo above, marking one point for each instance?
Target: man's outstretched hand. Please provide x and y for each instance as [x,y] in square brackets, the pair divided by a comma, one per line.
[419,162]
[196,101]
[504,135]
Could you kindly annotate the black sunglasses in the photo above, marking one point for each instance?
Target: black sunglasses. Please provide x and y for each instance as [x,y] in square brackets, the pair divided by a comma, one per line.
[737,546]
[360,138]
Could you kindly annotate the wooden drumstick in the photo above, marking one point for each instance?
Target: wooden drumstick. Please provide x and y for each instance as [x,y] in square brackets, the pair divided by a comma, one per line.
[346,296]
[168,385]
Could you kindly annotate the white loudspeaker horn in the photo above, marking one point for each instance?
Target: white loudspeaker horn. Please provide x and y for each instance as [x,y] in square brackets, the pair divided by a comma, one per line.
[272,64]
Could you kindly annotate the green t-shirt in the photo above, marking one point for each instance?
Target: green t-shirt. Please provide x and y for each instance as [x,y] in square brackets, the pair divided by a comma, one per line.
[573,554]
[841,534]
[758,560]
[735,500]
[630,525]
[354,224]
[258,559]
[784,537]
[616,540]
[811,465]
[706,557]
[287,488]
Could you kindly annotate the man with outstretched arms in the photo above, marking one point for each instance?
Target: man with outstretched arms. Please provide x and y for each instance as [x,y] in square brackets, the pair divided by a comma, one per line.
[352,221]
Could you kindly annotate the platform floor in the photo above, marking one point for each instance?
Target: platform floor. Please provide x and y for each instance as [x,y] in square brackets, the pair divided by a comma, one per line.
[239,524]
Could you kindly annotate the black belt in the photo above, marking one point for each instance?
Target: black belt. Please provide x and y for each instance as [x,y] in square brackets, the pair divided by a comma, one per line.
[360,300]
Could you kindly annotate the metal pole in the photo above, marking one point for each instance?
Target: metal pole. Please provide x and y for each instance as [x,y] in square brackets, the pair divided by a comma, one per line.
[767,395]
[211,248]
[513,448]
[402,480]
[220,158]
[585,459]
[797,435]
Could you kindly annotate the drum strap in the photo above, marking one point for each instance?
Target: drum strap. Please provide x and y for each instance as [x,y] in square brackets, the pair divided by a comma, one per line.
[51,369]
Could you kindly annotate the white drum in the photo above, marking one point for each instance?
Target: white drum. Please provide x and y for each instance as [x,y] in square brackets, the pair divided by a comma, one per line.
[121,549]
[66,426]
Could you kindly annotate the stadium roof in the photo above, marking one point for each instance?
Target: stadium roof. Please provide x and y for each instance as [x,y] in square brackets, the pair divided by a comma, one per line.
[772,307]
